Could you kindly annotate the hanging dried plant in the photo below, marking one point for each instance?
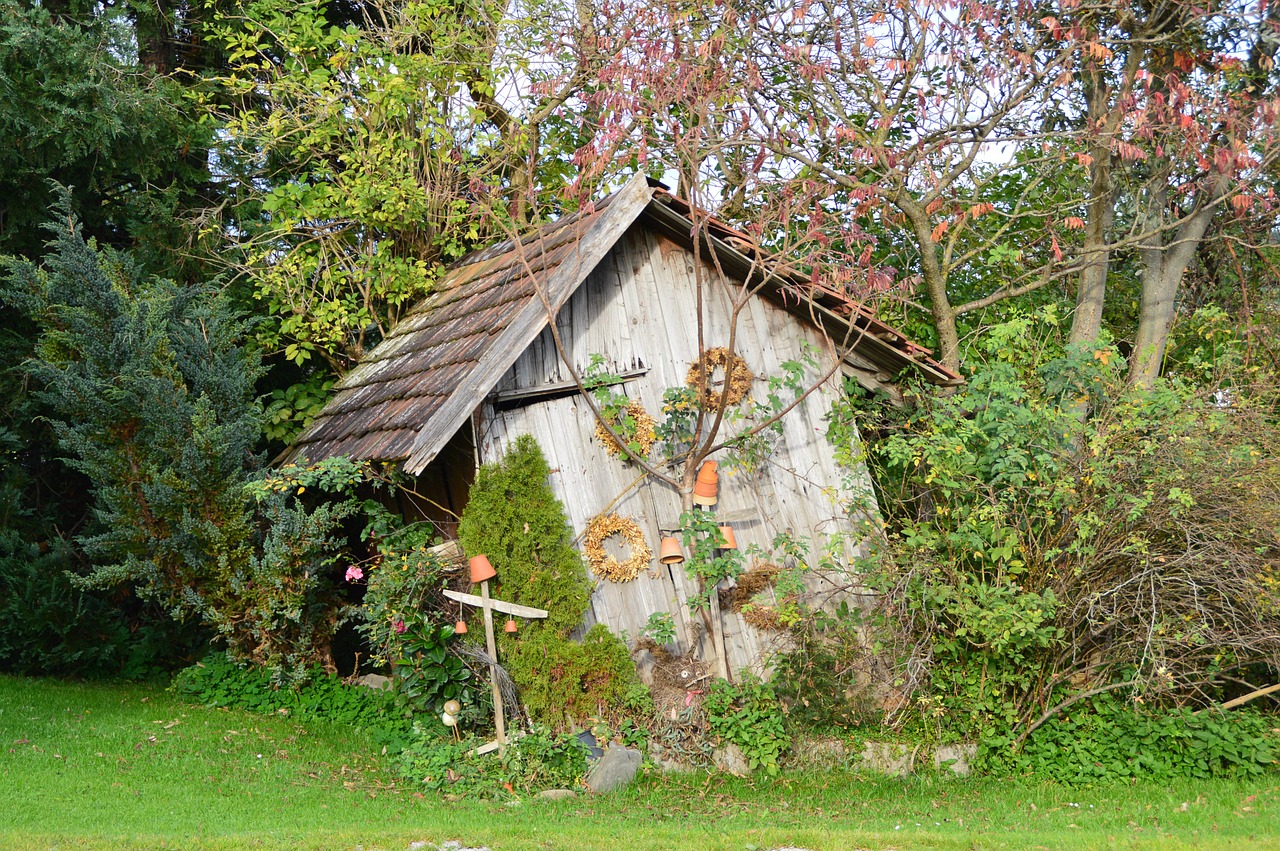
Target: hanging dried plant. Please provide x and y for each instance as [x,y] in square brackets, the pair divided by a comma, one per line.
[640,433]
[606,566]
[737,375]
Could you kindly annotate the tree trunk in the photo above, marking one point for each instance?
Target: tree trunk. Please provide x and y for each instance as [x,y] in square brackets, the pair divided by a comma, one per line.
[1164,266]
[1086,322]
[935,282]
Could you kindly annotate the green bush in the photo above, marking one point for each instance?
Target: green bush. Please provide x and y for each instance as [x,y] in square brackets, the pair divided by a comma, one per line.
[537,759]
[1107,740]
[513,516]
[218,681]
[748,715]
[563,682]
[48,626]
[1051,528]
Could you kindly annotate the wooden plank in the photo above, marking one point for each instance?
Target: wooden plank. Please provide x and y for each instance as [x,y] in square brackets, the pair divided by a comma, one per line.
[560,387]
[513,609]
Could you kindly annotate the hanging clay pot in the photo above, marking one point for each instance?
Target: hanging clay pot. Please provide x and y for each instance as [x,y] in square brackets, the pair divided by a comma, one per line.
[511,625]
[460,628]
[481,569]
[730,542]
[707,485]
[670,553]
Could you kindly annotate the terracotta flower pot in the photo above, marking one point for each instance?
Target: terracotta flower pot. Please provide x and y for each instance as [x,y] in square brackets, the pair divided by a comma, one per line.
[670,551]
[481,569]
[511,625]
[730,542]
[460,628]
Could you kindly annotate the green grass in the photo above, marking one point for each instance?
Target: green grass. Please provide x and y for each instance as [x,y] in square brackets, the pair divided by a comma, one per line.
[97,766]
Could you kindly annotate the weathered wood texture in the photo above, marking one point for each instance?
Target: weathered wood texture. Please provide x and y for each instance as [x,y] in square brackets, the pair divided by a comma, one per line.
[637,308]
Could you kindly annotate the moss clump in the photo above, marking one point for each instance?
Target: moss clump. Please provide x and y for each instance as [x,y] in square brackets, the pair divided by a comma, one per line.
[513,516]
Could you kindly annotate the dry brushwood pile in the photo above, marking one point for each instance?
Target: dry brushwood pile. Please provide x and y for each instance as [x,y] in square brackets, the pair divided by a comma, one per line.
[758,615]
[737,377]
[640,437]
[677,682]
[599,530]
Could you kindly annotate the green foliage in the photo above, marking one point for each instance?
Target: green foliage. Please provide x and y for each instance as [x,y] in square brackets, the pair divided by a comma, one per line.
[151,398]
[426,674]
[73,110]
[818,678]
[150,394]
[661,628]
[563,682]
[513,516]
[291,409]
[748,715]
[708,563]
[1107,741]
[1053,528]
[48,626]
[219,681]
[537,759]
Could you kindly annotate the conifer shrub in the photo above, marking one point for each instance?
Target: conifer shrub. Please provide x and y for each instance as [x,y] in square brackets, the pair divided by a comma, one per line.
[149,391]
[513,516]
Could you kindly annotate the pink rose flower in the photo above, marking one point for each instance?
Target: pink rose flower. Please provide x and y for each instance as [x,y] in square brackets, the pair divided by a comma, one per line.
[354,574]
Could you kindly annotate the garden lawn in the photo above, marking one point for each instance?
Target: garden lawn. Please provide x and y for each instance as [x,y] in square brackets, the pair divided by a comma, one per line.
[125,766]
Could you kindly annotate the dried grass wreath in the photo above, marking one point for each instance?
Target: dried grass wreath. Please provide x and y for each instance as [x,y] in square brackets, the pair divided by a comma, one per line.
[605,565]
[643,437]
[737,374]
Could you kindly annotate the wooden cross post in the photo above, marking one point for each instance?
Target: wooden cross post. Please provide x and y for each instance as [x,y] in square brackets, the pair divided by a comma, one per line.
[489,606]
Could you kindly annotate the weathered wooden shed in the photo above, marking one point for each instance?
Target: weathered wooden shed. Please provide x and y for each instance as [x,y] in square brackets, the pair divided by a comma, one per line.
[477,364]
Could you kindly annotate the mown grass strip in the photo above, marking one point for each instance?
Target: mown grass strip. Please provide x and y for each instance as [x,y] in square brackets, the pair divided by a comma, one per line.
[126,766]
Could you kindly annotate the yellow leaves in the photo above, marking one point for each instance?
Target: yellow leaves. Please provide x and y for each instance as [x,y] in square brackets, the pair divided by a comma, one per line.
[1097,51]
[1103,356]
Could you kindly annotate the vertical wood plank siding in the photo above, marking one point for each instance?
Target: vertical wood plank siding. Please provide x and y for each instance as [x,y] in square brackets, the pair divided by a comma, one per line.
[637,308]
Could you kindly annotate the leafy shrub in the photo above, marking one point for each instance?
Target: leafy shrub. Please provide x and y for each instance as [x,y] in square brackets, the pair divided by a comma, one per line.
[824,679]
[218,681]
[1107,741]
[1054,531]
[748,715]
[537,759]
[48,626]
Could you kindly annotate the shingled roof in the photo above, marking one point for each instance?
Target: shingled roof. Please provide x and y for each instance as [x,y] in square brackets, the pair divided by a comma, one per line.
[410,395]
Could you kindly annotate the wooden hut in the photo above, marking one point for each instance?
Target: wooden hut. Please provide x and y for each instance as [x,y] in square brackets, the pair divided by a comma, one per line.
[483,360]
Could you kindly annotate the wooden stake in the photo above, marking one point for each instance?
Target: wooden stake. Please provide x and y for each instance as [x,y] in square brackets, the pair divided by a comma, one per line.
[717,633]
[491,645]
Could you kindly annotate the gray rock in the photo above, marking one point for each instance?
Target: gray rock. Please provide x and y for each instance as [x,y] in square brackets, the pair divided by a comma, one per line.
[374,681]
[645,663]
[731,759]
[615,770]
[557,794]
[959,756]
[890,758]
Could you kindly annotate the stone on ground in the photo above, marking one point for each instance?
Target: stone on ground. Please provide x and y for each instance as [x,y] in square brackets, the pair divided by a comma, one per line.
[615,770]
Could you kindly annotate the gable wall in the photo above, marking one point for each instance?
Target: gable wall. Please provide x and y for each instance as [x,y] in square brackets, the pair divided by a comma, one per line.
[638,309]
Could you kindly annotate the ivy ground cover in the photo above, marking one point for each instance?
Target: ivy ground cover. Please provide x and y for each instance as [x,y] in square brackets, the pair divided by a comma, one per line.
[94,766]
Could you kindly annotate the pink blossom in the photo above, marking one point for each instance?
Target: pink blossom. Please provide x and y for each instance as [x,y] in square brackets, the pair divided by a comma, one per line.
[354,574]
[399,627]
